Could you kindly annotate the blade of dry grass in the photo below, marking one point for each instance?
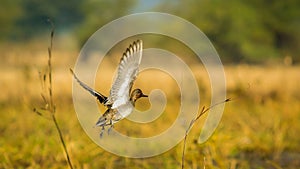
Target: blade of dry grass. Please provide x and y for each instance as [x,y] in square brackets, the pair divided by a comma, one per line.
[48,101]
[202,112]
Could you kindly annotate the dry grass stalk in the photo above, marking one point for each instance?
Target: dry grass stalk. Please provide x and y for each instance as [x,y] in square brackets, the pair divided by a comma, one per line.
[47,97]
[202,112]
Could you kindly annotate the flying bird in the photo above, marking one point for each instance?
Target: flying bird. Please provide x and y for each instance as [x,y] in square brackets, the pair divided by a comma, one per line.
[121,101]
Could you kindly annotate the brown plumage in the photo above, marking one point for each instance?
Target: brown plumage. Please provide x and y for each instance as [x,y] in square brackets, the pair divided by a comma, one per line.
[122,100]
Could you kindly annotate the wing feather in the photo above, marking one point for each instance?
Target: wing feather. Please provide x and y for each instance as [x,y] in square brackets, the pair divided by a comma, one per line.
[100,97]
[127,72]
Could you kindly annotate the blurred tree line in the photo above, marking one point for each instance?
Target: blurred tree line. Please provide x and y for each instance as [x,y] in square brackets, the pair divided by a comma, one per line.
[242,31]
[246,31]
[25,19]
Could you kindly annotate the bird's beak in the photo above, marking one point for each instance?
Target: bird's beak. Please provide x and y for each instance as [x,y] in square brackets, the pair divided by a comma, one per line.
[143,95]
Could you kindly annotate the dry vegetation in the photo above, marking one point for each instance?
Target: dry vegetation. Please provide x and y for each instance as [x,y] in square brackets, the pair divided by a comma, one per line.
[259,129]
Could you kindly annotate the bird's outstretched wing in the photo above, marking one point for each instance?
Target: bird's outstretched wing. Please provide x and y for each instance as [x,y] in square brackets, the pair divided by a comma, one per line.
[127,72]
[101,98]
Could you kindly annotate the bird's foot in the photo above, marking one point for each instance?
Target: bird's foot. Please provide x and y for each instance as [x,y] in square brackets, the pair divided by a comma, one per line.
[102,131]
[108,131]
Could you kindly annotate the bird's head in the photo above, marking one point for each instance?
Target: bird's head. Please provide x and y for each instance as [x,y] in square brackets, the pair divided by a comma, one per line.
[136,94]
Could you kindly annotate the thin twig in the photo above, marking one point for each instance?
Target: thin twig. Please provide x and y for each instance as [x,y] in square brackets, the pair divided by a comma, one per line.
[62,141]
[202,112]
[52,106]
[48,101]
[50,67]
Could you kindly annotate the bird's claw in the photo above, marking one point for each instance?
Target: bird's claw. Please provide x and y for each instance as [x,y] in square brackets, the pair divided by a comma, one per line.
[108,131]
[102,130]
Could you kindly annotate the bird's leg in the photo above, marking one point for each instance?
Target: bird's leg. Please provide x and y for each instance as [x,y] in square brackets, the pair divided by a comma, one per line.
[111,126]
[108,131]
[102,130]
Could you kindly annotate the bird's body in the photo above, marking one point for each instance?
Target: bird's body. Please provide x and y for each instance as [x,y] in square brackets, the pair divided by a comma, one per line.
[121,100]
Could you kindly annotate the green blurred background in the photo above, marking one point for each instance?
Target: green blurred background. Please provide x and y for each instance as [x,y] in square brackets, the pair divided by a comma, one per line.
[258,41]
[253,31]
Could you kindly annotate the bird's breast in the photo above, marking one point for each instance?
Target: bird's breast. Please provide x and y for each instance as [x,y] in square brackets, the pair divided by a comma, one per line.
[125,109]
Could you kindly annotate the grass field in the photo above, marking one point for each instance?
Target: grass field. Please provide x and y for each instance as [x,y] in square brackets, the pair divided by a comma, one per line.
[259,128]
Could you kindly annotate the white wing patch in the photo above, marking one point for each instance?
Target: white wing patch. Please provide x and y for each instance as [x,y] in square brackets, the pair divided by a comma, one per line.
[127,72]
